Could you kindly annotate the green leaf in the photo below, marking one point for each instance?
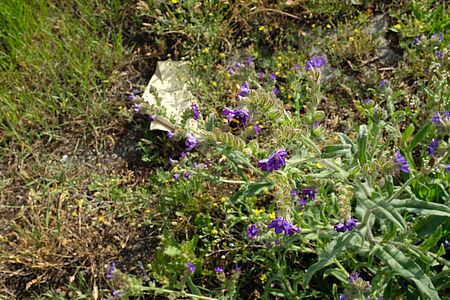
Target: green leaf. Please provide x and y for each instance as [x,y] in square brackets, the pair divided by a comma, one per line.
[194,289]
[362,143]
[407,268]
[172,251]
[407,134]
[346,140]
[419,136]
[432,240]
[421,207]
[334,248]
[336,150]
[384,210]
[210,123]
[251,189]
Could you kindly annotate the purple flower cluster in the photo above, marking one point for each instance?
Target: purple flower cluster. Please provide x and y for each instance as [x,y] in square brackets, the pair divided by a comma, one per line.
[436,119]
[110,270]
[431,150]
[273,162]
[244,91]
[315,63]
[438,36]
[401,163]
[191,142]
[305,194]
[195,111]
[190,267]
[218,269]
[353,276]
[237,115]
[252,231]
[136,108]
[439,54]
[348,225]
[282,225]
[447,168]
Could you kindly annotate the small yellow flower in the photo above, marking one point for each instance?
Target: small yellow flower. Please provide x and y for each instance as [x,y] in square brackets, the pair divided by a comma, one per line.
[289,96]
[147,211]
[101,219]
[277,73]
[259,211]
[319,165]
[211,14]
[263,278]
[279,58]
[328,26]
[313,25]
[398,26]
[174,1]
[214,83]
[228,75]
[417,22]
[279,65]
[206,50]
[272,215]
[205,67]
[357,31]
[169,55]
[222,199]
[261,28]
[351,39]
[214,231]
[222,55]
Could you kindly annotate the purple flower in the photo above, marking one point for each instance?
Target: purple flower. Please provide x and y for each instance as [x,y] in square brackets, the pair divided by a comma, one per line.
[275,91]
[436,118]
[447,168]
[438,36]
[238,115]
[231,72]
[351,224]
[296,66]
[401,162]
[244,90]
[261,75]
[342,296]
[136,108]
[237,65]
[171,161]
[257,129]
[191,267]
[176,176]
[431,150]
[273,162]
[252,231]
[447,114]
[310,193]
[446,244]
[294,192]
[301,202]
[273,76]
[340,227]
[218,269]
[183,154]
[383,83]
[110,270]
[131,96]
[249,60]
[416,40]
[170,135]
[191,142]
[366,100]
[426,70]
[353,276]
[152,118]
[282,225]
[195,111]
[439,54]
[115,293]
[187,175]
[314,63]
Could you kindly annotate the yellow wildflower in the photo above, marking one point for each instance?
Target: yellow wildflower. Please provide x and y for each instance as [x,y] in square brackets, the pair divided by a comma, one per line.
[263,278]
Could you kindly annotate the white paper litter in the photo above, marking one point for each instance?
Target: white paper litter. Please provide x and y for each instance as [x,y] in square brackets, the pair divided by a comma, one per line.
[169,81]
